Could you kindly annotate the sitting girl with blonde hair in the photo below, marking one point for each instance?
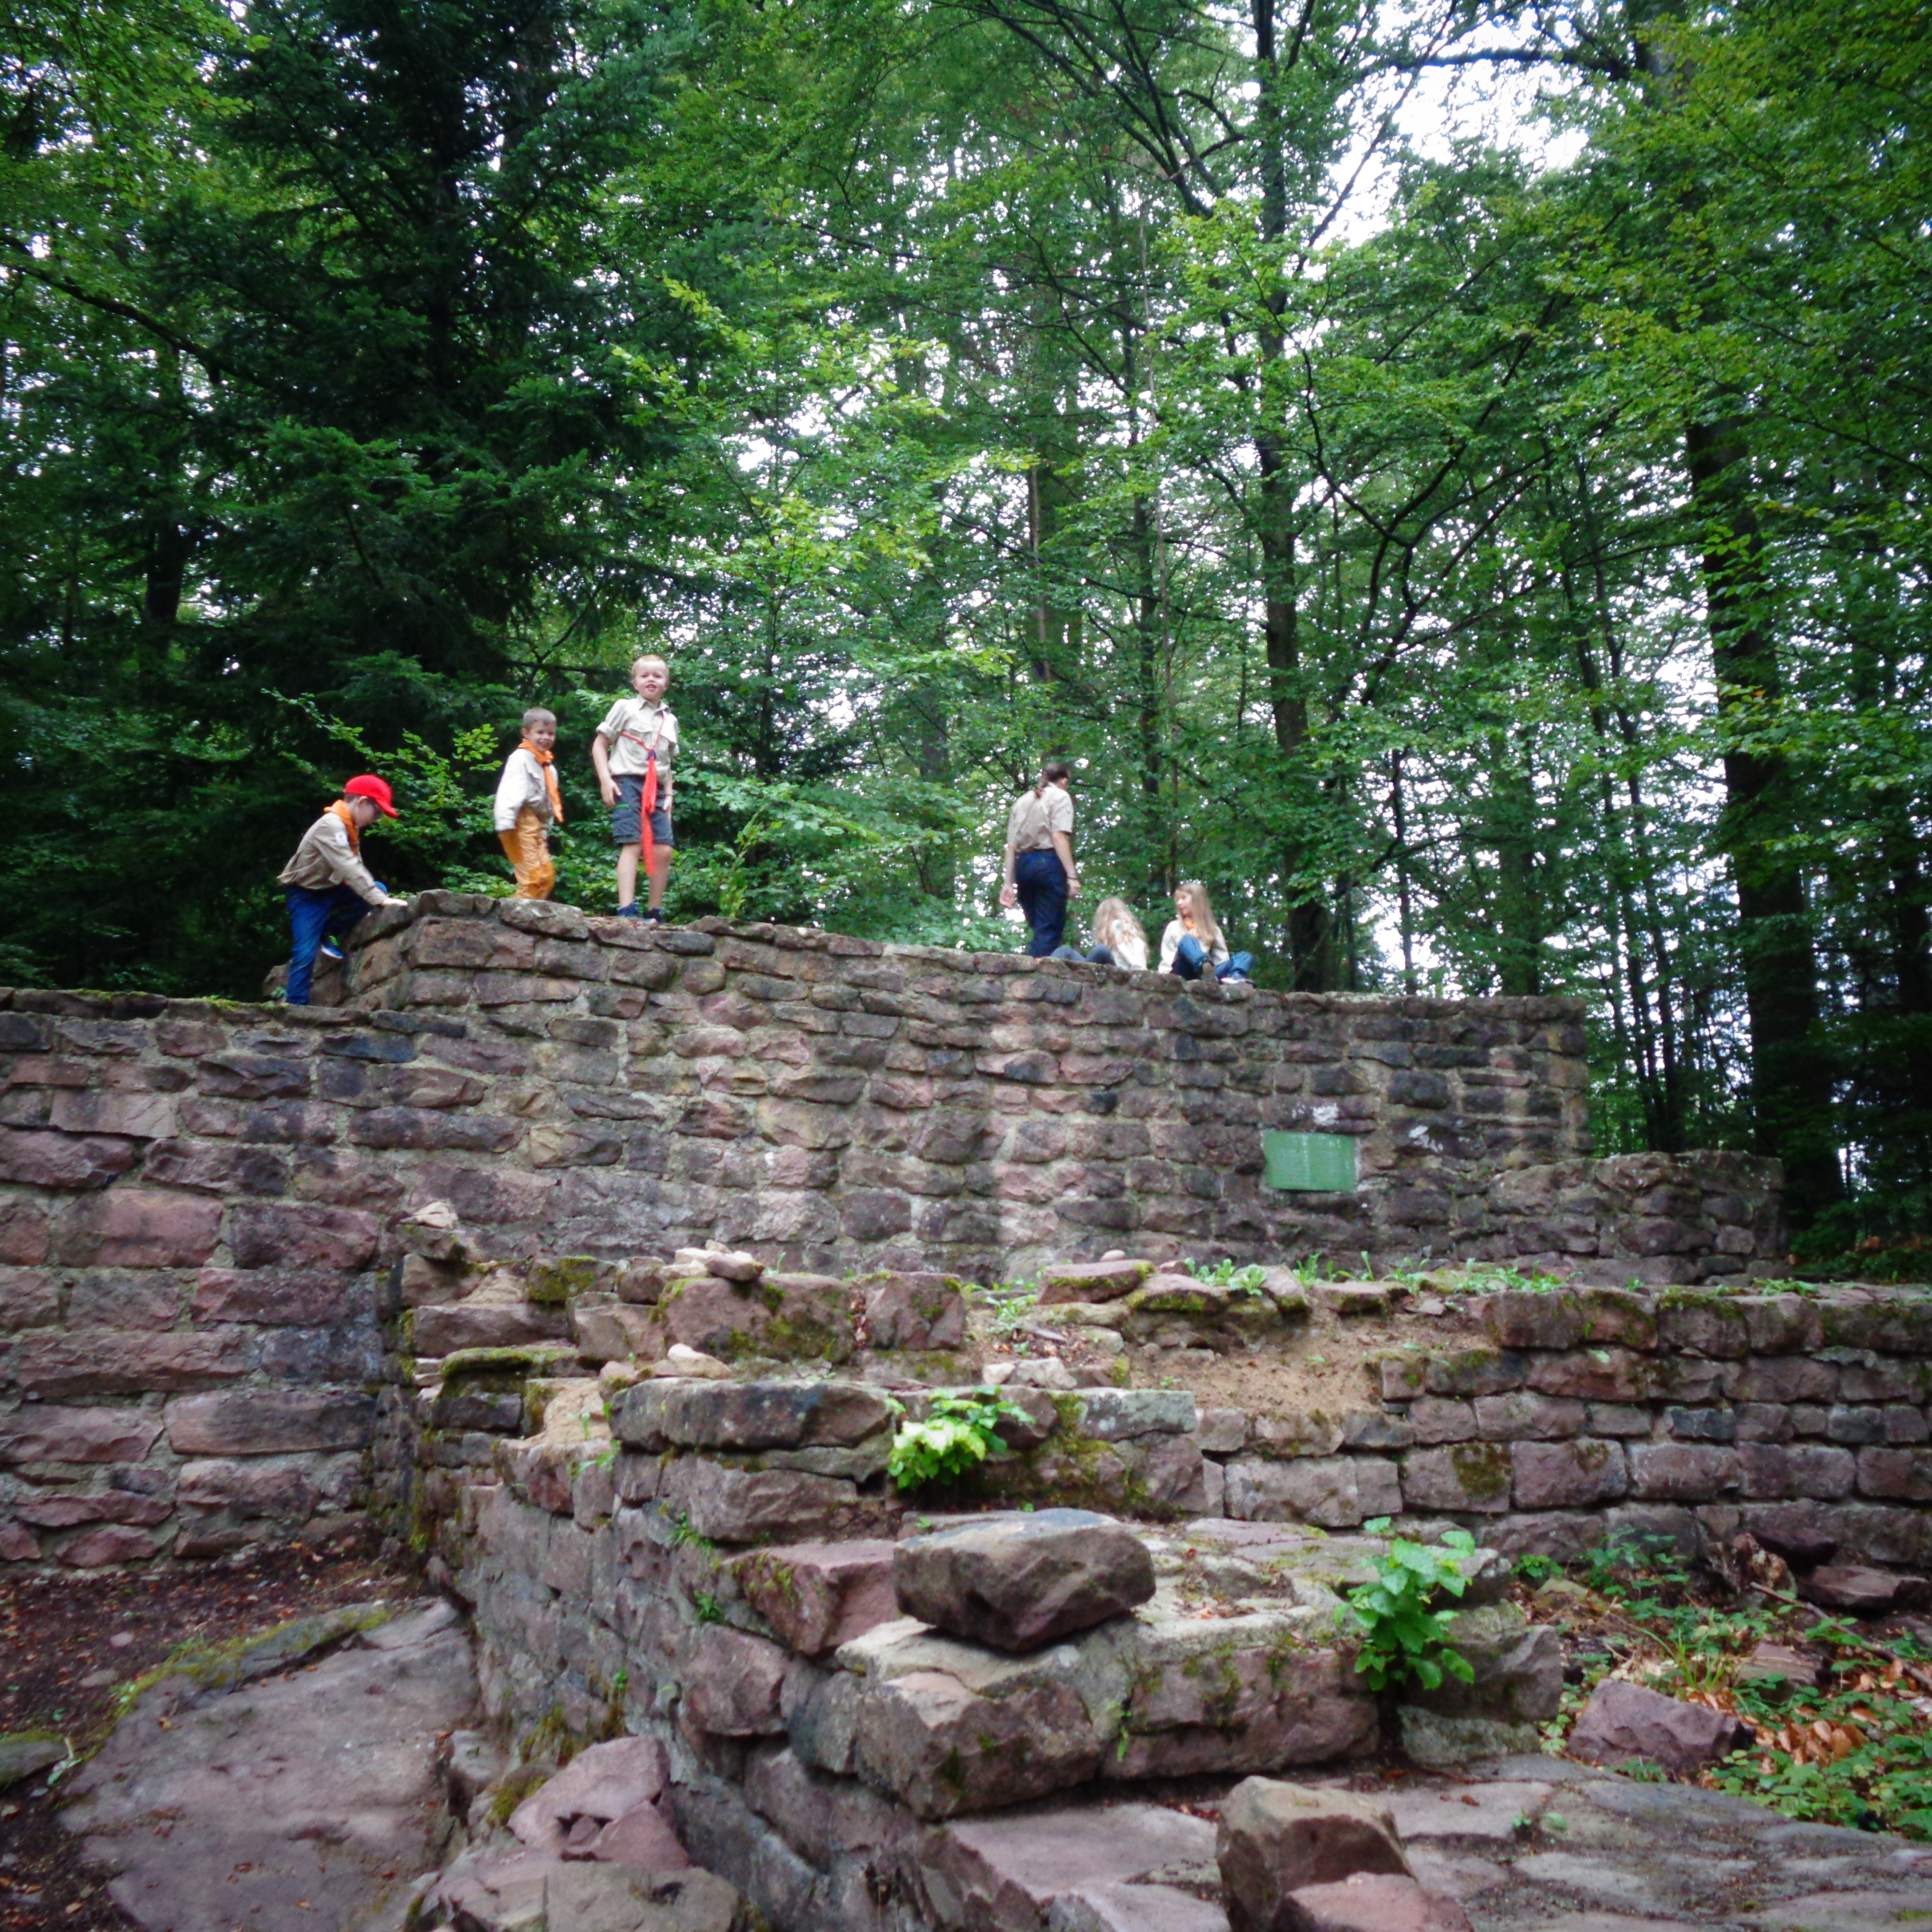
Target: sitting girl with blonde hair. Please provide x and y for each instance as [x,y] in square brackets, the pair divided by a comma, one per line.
[1116,928]
[1193,944]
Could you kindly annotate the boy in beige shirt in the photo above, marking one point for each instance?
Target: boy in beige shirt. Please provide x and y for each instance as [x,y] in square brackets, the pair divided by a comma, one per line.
[633,750]
[328,887]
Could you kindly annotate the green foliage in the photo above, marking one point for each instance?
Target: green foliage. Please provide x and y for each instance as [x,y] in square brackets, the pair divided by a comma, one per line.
[956,1437]
[1247,1279]
[1405,1639]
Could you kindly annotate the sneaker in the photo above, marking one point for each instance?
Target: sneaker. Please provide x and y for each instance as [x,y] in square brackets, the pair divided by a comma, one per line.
[630,911]
[330,950]
[654,916]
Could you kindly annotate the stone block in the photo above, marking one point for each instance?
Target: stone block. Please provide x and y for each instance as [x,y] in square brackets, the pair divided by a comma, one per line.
[1119,1415]
[1333,1492]
[1017,1582]
[53,1366]
[1434,1419]
[617,1332]
[1221,1431]
[817,1596]
[130,1298]
[1896,1475]
[1703,1324]
[138,1228]
[790,1316]
[29,1298]
[301,1297]
[112,1543]
[913,1311]
[1275,1838]
[1568,1475]
[1525,1417]
[1472,1372]
[1772,1472]
[270,1421]
[1385,1902]
[44,1433]
[1471,1476]
[750,1416]
[301,1236]
[730,1682]
[1597,1375]
[139,1116]
[215,1170]
[942,1748]
[437,1331]
[731,1505]
[1625,1722]
[1091,1281]
[1684,1472]
[1524,1318]
[63,1162]
[23,1234]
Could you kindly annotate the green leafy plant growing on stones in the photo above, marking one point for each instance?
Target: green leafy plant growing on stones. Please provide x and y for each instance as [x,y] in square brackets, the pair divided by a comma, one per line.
[957,1436]
[1012,1307]
[1404,1638]
[1249,1280]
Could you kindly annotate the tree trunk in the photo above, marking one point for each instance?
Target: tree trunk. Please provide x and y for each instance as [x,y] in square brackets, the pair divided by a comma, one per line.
[1791,1067]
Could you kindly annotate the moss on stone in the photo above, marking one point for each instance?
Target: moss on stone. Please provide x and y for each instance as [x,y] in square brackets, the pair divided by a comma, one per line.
[1482,1468]
[556,1284]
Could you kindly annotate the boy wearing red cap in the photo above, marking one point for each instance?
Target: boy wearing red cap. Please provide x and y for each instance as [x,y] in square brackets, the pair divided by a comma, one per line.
[329,888]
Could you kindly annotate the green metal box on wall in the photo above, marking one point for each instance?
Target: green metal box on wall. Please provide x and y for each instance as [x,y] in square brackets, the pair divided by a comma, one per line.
[1310,1163]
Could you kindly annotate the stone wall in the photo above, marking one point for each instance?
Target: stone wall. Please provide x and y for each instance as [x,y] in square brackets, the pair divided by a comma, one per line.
[198,1202]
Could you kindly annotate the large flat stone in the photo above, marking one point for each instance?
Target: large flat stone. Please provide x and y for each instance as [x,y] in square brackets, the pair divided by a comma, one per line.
[232,1804]
[1020,1581]
[602,1783]
[1004,1874]
[749,1416]
[1624,1721]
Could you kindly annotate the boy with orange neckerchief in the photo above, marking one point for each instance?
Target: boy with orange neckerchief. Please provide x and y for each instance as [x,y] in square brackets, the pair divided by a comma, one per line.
[633,750]
[528,804]
[329,887]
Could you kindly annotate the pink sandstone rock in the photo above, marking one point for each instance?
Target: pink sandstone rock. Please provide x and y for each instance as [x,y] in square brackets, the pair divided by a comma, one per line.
[818,1595]
[1623,1721]
[1275,1839]
[1376,1902]
[605,1782]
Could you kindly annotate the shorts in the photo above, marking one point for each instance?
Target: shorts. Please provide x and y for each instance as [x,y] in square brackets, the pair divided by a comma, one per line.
[625,814]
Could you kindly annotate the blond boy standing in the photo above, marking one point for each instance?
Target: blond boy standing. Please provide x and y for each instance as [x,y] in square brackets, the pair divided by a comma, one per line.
[634,750]
[528,804]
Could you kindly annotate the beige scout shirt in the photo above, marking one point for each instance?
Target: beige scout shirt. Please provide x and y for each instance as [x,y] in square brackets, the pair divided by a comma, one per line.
[1034,819]
[523,784]
[325,858]
[633,729]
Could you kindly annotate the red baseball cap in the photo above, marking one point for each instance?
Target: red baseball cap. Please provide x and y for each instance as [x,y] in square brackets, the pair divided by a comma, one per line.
[370,787]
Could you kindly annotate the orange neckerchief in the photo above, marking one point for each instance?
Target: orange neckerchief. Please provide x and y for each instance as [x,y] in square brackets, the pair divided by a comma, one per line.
[340,809]
[548,761]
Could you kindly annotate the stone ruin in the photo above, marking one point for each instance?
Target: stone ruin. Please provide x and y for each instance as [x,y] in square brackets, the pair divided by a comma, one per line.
[600,1263]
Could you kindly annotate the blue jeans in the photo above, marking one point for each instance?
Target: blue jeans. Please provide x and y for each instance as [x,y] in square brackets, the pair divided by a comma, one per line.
[1040,881]
[1190,962]
[314,917]
[1096,955]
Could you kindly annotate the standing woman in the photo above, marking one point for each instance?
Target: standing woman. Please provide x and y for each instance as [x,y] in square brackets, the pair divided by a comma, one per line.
[1038,871]
[1193,946]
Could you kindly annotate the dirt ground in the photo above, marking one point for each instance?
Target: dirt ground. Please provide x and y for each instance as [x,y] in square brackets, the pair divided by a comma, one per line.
[67,1642]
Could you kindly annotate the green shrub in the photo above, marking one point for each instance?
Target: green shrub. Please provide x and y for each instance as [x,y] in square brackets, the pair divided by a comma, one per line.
[1404,1638]
[956,1437]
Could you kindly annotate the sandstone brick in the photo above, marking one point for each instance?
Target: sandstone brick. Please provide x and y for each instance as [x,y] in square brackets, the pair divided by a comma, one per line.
[293,1236]
[1901,1475]
[1596,1375]
[1333,1492]
[29,1298]
[1782,1379]
[1525,1417]
[131,1227]
[45,1432]
[1471,1476]
[817,1596]
[1614,1315]
[1434,1421]
[23,1234]
[1781,1325]
[1855,1424]
[730,1505]
[139,1116]
[1774,1471]
[1522,1318]
[50,1366]
[914,1311]
[295,1297]
[253,1076]
[132,1298]
[1704,1324]
[1684,1472]
[111,1544]
[1472,1372]
[215,1170]
[66,1509]
[269,1422]
[1568,1475]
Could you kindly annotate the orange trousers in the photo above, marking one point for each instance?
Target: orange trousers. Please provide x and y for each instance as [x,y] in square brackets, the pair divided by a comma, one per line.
[527,846]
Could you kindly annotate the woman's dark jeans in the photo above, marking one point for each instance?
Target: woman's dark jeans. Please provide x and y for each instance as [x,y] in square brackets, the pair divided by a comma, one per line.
[1040,881]
[1096,956]
[1190,962]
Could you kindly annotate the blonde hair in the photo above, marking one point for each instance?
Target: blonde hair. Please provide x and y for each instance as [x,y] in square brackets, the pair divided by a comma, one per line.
[650,657]
[1112,917]
[1208,927]
[537,715]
